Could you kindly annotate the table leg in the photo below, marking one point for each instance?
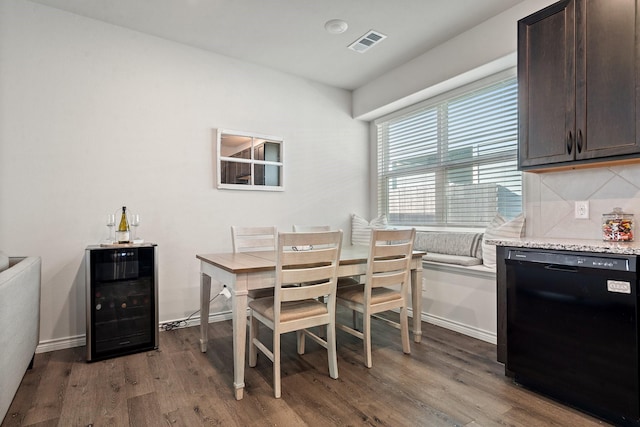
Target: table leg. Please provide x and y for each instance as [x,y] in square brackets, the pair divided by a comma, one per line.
[239,319]
[416,302]
[205,296]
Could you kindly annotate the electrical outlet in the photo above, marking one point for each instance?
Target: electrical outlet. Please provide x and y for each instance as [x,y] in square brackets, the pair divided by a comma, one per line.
[582,210]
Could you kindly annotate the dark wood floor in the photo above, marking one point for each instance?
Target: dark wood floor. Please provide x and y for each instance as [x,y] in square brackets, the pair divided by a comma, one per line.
[448,380]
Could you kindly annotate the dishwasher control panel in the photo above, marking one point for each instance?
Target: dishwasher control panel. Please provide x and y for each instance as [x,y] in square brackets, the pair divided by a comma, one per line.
[574,259]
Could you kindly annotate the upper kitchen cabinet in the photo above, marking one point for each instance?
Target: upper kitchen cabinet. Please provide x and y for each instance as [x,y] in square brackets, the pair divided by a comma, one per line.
[578,82]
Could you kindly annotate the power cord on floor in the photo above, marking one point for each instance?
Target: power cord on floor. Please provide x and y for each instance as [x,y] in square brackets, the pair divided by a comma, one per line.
[169,326]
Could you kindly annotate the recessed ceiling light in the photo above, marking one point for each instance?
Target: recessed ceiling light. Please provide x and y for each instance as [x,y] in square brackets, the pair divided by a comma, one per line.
[336,26]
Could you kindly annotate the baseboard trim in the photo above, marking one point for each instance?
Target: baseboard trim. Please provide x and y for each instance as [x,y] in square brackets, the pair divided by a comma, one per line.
[471,331]
[195,321]
[61,343]
[81,340]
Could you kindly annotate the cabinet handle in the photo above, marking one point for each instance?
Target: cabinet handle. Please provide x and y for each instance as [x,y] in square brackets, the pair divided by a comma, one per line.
[579,141]
[569,142]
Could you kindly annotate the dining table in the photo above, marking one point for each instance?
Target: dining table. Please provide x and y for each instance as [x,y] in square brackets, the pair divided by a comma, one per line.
[241,272]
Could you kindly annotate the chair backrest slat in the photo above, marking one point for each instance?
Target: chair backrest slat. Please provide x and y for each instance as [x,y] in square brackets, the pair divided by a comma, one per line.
[306,291]
[310,228]
[302,254]
[393,249]
[247,239]
[309,273]
[386,280]
[384,265]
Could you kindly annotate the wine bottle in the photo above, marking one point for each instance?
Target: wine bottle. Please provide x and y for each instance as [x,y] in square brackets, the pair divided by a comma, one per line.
[122,235]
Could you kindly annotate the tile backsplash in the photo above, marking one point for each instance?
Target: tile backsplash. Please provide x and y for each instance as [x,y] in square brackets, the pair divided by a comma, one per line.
[550,200]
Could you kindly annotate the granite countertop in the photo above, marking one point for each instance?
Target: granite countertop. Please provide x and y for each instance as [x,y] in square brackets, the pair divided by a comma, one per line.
[578,245]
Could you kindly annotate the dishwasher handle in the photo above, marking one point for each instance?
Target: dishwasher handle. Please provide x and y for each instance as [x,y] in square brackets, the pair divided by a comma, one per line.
[562,268]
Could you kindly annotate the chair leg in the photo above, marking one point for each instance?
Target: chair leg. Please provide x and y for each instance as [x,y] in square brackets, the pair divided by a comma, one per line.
[276,365]
[322,329]
[253,333]
[366,331]
[301,341]
[331,351]
[404,329]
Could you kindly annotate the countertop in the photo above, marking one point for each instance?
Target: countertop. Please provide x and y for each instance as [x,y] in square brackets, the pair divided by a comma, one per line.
[578,245]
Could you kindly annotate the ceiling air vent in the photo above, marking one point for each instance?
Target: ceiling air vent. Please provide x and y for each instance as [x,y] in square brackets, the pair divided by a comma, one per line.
[367,41]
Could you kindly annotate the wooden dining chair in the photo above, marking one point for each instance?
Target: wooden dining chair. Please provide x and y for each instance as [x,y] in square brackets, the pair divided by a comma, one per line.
[250,239]
[299,308]
[385,286]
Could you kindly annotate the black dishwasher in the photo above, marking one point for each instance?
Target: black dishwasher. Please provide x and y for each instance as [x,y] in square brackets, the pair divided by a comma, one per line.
[572,329]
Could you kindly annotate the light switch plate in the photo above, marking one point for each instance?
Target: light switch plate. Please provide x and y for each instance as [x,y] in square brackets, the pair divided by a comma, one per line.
[582,210]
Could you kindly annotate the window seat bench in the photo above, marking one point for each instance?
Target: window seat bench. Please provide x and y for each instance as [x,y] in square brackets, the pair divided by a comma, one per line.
[459,292]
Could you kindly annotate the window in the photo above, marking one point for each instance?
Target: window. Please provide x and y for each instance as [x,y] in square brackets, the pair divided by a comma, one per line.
[452,161]
[249,161]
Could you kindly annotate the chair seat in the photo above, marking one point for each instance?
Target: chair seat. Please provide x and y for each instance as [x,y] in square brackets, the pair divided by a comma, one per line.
[291,310]
[260,293]
[378,295]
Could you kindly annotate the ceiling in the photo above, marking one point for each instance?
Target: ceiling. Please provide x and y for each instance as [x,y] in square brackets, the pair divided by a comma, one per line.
[289,35]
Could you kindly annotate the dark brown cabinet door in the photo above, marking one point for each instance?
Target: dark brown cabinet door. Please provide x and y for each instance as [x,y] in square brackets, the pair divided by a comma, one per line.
[607,79]
[546,85]
[577,79]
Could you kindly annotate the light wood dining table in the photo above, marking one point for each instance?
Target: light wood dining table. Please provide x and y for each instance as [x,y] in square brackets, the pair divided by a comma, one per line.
[245,271]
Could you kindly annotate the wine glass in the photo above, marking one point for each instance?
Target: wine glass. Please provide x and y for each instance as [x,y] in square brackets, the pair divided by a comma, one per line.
[134,222]
[111,222]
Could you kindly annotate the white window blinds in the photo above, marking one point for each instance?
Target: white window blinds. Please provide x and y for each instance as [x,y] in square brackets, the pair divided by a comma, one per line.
[452,161]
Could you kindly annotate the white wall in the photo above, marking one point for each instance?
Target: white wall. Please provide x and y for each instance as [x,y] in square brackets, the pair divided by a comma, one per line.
[93,117]
[483,50]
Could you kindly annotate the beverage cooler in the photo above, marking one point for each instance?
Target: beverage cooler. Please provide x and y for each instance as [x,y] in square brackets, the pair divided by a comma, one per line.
[122,300]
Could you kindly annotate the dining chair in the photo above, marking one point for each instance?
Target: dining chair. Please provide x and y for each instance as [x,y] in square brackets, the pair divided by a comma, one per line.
[299,308]
[250,239]
[385,286]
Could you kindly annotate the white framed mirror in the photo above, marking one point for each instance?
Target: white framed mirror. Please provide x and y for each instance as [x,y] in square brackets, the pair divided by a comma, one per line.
[249,161]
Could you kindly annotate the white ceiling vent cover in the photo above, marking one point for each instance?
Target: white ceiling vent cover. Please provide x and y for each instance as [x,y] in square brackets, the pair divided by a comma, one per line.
[367,41]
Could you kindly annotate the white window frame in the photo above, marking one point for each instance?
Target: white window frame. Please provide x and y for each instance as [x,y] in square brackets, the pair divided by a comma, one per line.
[254,138]
[385,172]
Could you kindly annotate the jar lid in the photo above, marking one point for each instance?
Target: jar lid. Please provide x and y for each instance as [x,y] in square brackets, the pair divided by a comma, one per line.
[617,212]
